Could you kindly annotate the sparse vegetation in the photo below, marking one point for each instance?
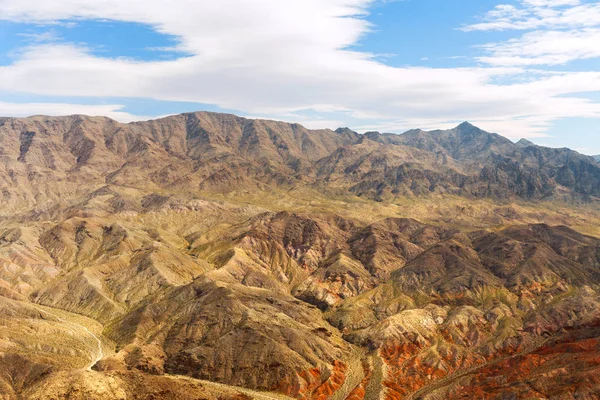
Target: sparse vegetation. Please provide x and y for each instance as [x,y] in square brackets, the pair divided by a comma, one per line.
[346,266]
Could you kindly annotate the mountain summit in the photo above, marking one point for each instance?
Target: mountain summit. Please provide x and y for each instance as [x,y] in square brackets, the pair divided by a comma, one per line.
[525,143]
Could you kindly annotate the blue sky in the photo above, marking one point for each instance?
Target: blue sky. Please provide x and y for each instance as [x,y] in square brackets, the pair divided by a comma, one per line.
[522,68]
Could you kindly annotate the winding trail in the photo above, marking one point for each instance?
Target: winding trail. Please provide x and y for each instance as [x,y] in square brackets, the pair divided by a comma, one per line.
[94,358]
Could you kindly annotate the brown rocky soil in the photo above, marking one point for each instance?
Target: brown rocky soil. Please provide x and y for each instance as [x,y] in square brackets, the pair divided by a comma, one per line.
[207,256]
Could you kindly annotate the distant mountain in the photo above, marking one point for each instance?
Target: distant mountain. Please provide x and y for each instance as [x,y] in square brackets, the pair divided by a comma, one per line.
[47,158]
[210,256]
[464,161]
[597,158]
[525,143]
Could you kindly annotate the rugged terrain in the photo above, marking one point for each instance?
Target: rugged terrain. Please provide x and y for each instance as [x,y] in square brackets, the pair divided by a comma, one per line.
[210,256]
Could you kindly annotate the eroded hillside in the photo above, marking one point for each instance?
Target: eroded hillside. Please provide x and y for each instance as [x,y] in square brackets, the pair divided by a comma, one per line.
[210,256]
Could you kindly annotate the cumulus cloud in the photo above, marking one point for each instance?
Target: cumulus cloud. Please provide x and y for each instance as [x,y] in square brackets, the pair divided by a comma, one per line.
[285,58]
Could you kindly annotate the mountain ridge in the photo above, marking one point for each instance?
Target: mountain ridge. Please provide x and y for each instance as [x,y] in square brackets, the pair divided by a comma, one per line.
[222,151]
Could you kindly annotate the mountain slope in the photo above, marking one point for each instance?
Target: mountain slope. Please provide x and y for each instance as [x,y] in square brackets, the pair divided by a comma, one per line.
[48,160]
[212,256]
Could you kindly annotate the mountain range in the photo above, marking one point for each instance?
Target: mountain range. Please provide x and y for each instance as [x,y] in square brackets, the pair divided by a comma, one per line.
[206,151]
[210,256]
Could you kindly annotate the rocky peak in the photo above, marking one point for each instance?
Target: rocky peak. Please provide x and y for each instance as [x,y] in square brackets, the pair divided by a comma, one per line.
[345,130]
[467,130]
[525,143]
[467,126]
[373,135]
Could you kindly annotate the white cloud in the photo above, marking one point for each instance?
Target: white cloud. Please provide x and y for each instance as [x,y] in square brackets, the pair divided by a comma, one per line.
[56,109]
[537,14]
[552,3]
[545,48]
[560,31]
[44,37]
[280,58]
